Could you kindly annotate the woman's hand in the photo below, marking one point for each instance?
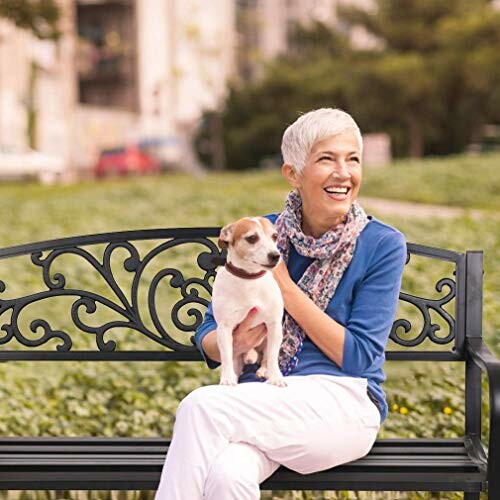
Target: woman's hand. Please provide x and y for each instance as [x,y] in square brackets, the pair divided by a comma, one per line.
[280,273]
[246,338]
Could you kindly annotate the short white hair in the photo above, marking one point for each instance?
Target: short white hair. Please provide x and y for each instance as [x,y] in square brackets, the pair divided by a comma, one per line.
[311,127]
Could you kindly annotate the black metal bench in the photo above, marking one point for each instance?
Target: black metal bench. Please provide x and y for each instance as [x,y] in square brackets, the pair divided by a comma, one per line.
[186,260]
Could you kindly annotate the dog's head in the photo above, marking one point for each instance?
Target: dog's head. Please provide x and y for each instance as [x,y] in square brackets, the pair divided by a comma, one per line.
[251,242]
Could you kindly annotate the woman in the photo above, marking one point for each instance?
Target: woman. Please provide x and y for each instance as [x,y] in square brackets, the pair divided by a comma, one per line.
[340,278]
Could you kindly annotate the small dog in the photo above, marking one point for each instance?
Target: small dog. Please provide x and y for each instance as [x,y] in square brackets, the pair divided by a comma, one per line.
[245,282]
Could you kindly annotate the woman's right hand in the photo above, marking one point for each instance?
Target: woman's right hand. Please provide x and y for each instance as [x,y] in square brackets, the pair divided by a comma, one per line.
[246,338]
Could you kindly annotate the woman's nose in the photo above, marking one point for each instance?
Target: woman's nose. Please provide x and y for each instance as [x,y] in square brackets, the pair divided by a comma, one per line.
[340,170]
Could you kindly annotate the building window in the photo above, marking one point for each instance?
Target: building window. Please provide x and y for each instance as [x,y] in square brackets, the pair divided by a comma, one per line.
[106,58]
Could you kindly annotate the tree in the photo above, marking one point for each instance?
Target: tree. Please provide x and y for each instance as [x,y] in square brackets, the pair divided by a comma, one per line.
[431,81]
[440,59]
[41,17]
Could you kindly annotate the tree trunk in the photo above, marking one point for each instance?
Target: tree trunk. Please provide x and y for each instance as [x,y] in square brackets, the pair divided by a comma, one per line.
[416,149]
[31,107]
[217,141]
[476,133]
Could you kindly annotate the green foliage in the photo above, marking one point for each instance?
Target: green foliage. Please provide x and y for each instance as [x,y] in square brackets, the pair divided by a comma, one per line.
[439,181]
[316,37]
[431,81]
[41,17]
[95,399]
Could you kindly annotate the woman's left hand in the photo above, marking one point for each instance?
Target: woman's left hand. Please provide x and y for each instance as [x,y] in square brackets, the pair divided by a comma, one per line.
[280,273]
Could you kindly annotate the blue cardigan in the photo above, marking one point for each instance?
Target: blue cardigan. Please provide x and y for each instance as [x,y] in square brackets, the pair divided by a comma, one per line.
[365,303]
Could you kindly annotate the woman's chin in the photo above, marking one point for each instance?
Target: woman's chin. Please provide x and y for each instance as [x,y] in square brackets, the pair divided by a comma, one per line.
[339,212]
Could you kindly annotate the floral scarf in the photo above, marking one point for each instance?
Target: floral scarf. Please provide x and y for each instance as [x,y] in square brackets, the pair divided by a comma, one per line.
[332,253]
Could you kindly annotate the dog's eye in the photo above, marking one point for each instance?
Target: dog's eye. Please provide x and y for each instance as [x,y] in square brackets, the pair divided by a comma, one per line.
[274,237]
[253,238]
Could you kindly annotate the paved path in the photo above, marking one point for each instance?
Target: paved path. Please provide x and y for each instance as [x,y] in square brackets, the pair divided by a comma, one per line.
[393,207]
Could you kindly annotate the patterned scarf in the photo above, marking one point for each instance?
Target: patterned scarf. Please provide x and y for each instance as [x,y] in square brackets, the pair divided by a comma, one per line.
[332,253]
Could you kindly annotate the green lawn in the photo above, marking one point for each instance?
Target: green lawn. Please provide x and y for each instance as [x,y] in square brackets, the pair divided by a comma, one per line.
[140,399]
[461,181]
[32,212]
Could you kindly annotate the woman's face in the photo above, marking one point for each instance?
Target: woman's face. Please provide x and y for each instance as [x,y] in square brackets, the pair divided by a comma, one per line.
[329,182]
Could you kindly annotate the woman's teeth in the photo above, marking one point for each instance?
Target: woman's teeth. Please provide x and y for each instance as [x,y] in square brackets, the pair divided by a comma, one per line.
[337,190]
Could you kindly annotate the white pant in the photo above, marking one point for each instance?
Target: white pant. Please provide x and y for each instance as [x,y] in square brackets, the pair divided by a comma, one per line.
[227,440]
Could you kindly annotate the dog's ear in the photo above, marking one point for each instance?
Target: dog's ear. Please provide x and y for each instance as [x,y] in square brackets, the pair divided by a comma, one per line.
[267,224]
[226,236]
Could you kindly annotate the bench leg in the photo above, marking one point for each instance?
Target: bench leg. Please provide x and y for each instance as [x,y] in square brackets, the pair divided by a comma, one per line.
[471,496]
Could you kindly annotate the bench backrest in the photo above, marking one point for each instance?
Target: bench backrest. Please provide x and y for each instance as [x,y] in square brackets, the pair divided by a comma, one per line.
[140,295]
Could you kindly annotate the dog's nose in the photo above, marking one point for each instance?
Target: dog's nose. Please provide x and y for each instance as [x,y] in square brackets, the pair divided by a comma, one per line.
[273,257]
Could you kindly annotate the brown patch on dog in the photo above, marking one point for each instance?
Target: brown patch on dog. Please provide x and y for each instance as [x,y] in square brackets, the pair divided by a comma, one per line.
[233,232]
[226,236]
[242,227]
[267,225]
[223,244]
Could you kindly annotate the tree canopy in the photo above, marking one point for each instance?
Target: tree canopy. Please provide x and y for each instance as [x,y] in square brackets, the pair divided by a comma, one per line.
[41,17]
[431,79]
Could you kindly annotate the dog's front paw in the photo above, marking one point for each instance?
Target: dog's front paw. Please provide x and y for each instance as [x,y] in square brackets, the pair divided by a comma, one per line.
[228,380]
[277,380]
[261,372]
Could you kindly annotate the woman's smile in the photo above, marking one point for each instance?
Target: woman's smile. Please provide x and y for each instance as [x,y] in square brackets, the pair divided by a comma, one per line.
[338,193]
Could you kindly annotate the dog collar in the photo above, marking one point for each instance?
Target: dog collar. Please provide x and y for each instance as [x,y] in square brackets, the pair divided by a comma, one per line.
[241,273]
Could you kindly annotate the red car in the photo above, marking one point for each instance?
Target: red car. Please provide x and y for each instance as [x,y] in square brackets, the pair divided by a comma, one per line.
[124,161]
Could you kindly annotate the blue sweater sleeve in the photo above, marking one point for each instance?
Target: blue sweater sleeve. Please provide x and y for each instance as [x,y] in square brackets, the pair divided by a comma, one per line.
[374,307]
[206,326]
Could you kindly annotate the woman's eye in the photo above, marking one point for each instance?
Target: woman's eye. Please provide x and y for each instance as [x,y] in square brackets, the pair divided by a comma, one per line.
[354,158]
[252,239]
[324,158]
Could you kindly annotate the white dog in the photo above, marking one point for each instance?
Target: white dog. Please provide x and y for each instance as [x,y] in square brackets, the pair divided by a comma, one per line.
[245,282]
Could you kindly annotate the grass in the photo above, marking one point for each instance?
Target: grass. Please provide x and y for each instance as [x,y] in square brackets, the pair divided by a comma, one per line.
[459,181]
[140,399]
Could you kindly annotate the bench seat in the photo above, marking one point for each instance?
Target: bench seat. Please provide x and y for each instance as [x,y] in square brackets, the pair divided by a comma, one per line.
[135,463]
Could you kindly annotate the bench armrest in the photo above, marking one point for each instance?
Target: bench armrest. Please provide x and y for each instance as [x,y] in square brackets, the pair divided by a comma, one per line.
[481,356]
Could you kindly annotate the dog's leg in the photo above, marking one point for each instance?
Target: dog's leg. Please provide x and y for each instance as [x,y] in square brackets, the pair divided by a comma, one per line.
[274,339]
[225,343]
[262,371]
[238,365]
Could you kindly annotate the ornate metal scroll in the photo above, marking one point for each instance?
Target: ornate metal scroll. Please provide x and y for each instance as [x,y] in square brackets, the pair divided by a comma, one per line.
[424,306]
[126,303]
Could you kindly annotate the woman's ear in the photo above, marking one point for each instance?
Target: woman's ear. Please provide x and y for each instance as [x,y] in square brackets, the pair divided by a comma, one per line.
[290,175]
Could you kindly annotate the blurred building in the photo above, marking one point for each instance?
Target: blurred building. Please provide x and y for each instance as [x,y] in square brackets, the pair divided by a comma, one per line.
[124,70]
[139,71]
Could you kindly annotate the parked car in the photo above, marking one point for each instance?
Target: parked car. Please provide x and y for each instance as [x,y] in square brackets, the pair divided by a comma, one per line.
[28,163]
[166,149]
[126,160]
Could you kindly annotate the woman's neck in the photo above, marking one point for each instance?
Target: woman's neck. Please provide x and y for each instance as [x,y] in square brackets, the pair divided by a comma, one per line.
[319,228]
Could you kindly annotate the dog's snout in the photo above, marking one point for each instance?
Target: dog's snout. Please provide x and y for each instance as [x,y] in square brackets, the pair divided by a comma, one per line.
[273,257]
